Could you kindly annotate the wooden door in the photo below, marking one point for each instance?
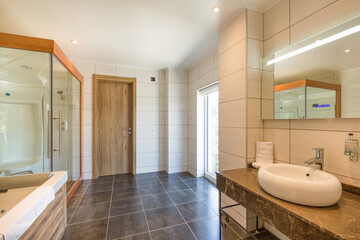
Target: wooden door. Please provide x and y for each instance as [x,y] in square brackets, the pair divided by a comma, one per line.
[115,111]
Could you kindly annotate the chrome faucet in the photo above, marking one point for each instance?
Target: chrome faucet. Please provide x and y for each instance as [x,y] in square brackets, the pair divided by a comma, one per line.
[318,159]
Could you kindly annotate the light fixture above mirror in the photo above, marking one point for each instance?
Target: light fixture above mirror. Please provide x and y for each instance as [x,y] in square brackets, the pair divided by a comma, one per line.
[330,58]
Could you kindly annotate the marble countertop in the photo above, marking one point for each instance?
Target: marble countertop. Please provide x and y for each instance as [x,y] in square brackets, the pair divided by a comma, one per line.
[341,221]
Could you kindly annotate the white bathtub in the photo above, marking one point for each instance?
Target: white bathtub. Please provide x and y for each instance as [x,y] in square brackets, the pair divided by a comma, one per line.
[23,198]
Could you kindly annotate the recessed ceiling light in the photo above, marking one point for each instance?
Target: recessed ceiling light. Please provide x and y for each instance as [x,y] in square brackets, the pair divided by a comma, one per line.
[348,50]
[74,41]
[216,9]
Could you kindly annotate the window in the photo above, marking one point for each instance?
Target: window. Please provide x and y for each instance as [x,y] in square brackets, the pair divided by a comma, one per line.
[211,123]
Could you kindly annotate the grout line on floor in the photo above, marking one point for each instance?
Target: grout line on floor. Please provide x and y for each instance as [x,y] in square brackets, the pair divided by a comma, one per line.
[193,190]
[216,214]
[162,228]
[203,200]
[132,235]
[142,204]
[108,222]
[179,213]
[76,207]
[121,215]
[87,221]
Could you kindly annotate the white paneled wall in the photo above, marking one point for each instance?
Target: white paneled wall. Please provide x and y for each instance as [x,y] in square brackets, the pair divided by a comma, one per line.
[286,23]
[201,75]
[176,120]
[150,121]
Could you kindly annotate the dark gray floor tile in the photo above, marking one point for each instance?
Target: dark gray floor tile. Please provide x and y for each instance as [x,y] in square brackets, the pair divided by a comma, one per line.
[90,212]
[82,188]
[125,183]
[161,173]
[264,236]
[156,201]
[180,232]
[70,212]
[210,196]
[169,178]
[124,193]
[147,181]
[145,175]
[212,203]
[99,187]
[126,225]
[102,179]
[151,189]
[183,196]
[132,226]
[126,176]
[184,176]
[87,181]
[163,217]
[207,192]
[208,229]
[174,186]
[198,183]
[143,236]
[74,201]
[195,211]
[125,206]
[93,198]
[95,230]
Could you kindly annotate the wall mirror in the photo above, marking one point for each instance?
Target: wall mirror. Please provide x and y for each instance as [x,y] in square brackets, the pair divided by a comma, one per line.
[316,78]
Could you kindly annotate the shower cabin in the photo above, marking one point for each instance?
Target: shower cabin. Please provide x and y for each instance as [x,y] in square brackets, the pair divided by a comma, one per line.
[307,99]
[40,109]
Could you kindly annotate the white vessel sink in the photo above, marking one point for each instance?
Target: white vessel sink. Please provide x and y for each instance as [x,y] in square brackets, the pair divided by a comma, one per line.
[300,184]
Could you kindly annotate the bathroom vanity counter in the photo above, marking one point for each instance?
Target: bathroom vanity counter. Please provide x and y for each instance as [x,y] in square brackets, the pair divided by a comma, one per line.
[298,222]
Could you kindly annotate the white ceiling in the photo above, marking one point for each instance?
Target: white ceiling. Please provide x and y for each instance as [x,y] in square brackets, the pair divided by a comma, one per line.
[143,33]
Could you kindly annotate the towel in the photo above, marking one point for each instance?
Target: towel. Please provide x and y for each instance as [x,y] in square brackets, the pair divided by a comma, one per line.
[259,165]
[264,154]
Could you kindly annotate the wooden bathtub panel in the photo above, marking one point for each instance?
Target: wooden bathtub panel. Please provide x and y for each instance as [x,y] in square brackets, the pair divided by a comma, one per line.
[51,223]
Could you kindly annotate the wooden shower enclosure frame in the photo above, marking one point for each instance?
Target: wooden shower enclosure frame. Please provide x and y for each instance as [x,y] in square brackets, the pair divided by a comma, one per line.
[49,46]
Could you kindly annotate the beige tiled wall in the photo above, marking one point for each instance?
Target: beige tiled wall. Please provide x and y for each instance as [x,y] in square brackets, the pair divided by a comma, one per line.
[287,23]
[151,109]
[232,94]
[200,75]
[240,51]
[176,120]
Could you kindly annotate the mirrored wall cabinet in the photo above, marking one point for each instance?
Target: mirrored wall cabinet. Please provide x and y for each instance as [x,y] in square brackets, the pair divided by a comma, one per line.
[316,78]
[40,109]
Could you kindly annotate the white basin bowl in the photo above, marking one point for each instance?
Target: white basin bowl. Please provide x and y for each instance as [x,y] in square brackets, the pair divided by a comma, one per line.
[300,184]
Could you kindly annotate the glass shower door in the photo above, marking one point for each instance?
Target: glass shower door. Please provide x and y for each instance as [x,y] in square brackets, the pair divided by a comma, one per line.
[66,122]
[25,107]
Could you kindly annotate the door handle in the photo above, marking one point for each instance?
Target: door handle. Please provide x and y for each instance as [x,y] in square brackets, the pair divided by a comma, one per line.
[60,128]
[48,134]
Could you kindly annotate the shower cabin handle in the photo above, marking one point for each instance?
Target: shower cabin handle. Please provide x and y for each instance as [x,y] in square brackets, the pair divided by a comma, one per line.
[48,134]
[60,127]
